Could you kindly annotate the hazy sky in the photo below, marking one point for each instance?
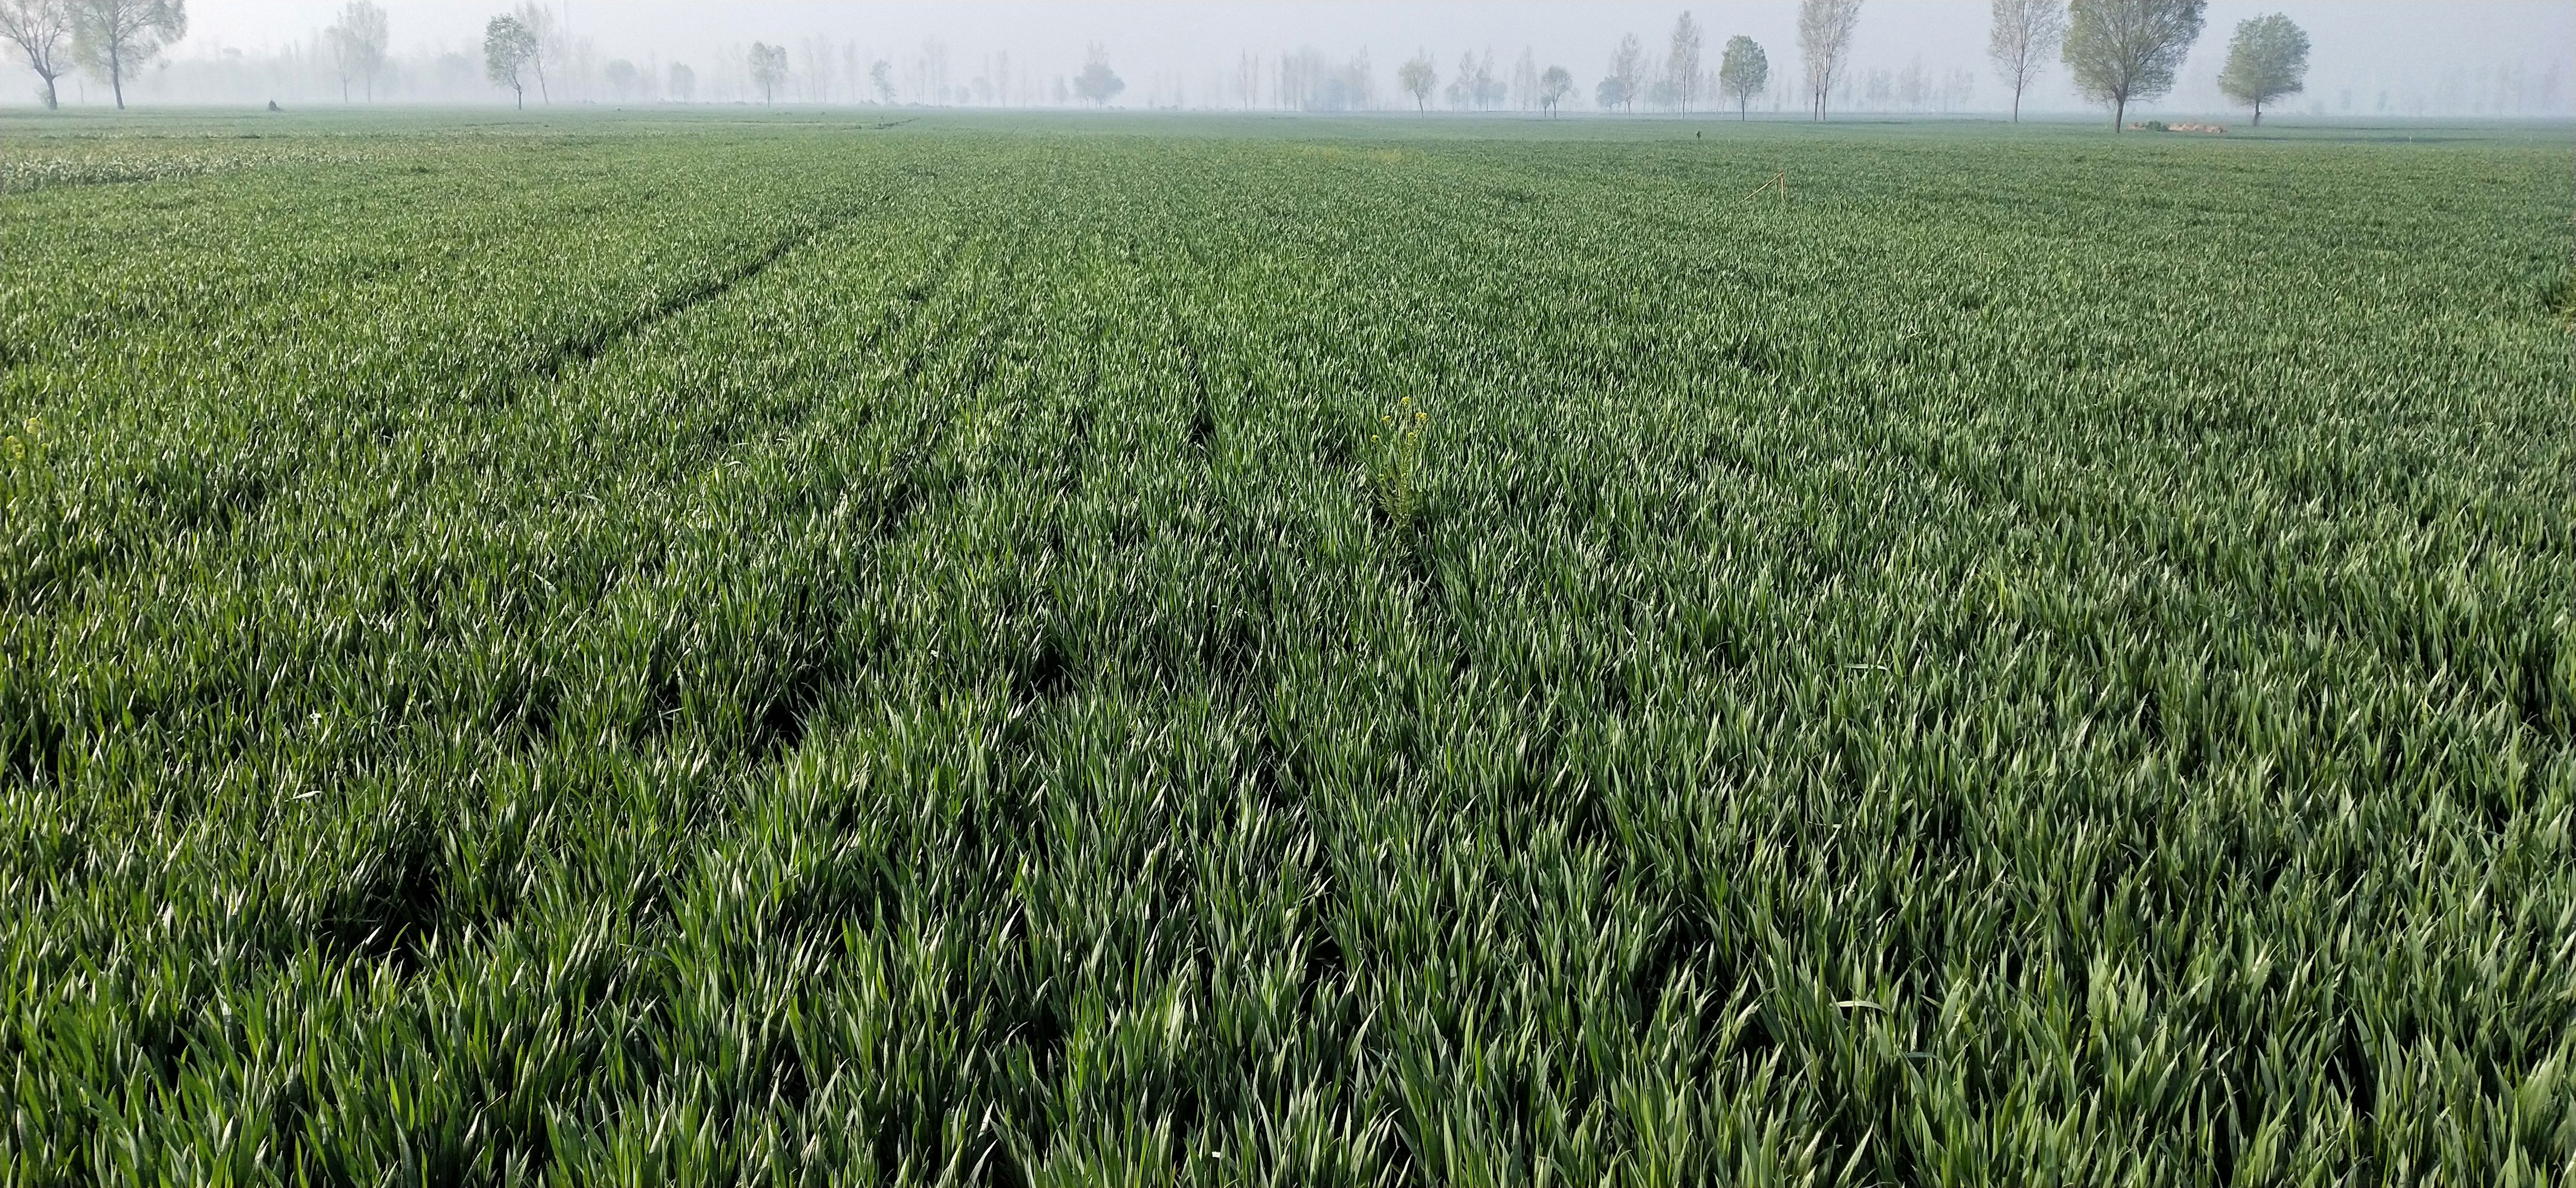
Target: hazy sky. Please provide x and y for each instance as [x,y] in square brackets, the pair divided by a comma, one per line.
[2363,45]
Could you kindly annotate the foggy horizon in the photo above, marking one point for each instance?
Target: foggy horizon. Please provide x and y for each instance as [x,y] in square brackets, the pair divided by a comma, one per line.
[2373,59]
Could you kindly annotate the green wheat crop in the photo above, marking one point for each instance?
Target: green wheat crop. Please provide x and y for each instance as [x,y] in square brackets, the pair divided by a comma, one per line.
[719,651]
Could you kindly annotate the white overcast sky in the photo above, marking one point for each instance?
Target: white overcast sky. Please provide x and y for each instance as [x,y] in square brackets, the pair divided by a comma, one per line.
[2366,44]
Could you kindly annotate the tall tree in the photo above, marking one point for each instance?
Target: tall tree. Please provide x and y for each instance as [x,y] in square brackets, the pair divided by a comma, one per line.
[42,30]
[358,45]
[1098,82]
[683,87]
[621,76]
[1525,82]
[881,77]
[1681,61]
[2128,51]
[1744,72]
[1417,77]
[1553,87]
[2025,33]
[115,38]
[1489,90]
[1825,29]
[768,69]
[508,48]
[1627,73]
[2267,60]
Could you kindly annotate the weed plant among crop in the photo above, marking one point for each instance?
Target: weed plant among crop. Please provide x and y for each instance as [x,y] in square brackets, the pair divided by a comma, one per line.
[30,472]
[707,652]
[1395,470]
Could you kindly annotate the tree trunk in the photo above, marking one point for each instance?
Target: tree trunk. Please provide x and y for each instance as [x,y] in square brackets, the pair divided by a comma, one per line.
[2258,113]
[2016,105]
[52,102]
[2120,113]
[116,77]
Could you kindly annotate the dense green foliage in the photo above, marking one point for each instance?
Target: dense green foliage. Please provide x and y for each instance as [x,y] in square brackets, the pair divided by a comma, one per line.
[695,653]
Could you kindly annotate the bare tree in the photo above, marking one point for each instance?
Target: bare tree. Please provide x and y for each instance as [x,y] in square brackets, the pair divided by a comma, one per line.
[115,38]
[1681,62]
[42,29]
[508,48]
[545,40]
[2268,59]
[358,45]
[2025,34]
[1553,87]
[1744,73]
[1525,80]
[816,78]
[1825,30]
[1417,77]
[1627,72]
[1489,88]
[2128,51]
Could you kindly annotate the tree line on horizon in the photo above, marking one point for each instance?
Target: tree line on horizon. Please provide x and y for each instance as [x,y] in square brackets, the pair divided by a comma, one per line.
[2118,53]
[113,40]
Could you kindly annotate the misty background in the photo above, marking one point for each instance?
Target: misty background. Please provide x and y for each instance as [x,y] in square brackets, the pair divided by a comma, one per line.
[2371,58]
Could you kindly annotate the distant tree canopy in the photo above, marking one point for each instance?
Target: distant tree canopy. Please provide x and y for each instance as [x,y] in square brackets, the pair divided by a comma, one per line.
[2267,60]
[621,77]
[508,48]
[881,76]
[683,87]
[1097,82]
[1477,85]
[2128,51]
[768,69]
[1744,73]
[1417,77]
[1553,87]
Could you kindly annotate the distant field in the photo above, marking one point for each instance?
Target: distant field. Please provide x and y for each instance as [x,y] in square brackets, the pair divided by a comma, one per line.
[700,650]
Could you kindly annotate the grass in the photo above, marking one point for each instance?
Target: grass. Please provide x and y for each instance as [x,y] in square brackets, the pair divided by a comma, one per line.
[742,649]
